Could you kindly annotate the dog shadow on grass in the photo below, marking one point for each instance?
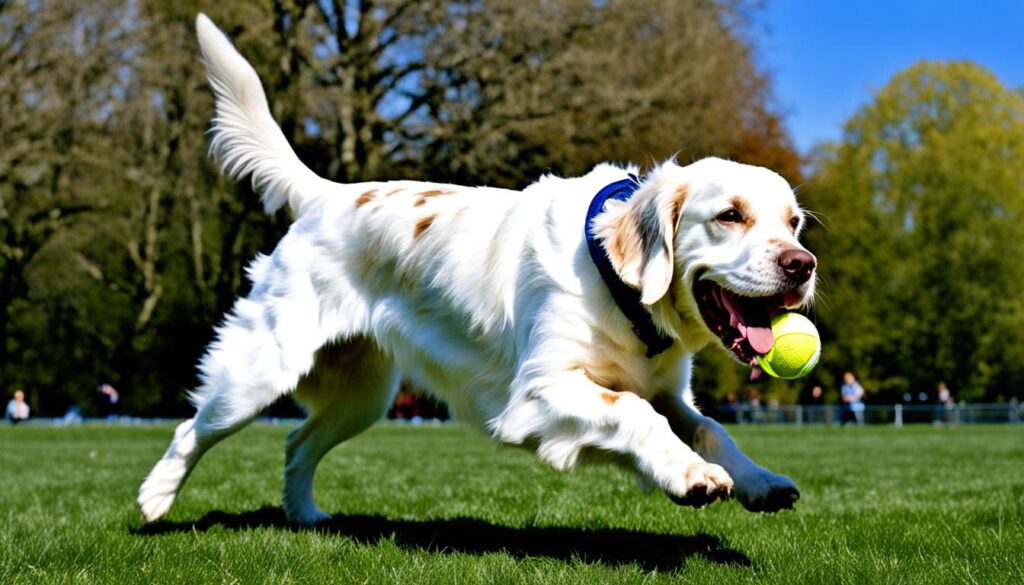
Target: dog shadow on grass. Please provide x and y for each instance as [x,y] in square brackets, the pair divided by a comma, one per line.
[616,546]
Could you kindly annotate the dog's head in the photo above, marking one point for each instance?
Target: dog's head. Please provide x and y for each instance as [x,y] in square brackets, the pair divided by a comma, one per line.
[714,247]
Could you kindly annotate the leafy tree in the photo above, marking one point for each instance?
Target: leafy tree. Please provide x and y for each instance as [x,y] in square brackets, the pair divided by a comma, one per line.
[59,64]
[922,201]
[120,244]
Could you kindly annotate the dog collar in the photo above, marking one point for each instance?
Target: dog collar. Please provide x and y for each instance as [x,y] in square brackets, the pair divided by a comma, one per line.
[626,297]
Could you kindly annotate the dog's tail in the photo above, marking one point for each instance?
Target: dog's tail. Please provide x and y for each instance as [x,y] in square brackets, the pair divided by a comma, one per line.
[246,139]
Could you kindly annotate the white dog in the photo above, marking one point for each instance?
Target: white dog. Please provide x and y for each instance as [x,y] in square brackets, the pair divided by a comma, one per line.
[550,317]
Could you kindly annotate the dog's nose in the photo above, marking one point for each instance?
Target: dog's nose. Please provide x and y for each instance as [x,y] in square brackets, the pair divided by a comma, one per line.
[797,264]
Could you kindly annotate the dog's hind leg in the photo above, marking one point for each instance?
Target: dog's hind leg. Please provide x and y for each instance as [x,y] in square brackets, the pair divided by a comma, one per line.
[349,389]
[265,345]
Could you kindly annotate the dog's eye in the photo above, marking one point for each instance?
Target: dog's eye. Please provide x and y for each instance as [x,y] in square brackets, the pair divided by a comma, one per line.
[794,222]
[730,216]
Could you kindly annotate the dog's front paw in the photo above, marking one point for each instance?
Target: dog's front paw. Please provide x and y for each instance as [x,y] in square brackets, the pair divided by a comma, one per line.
[760,490]
[701,484]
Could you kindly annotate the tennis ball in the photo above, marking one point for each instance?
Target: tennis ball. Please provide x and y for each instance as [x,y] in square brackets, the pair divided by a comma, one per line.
[796,350]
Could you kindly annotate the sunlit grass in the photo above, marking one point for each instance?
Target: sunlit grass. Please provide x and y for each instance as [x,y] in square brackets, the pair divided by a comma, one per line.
[441,504]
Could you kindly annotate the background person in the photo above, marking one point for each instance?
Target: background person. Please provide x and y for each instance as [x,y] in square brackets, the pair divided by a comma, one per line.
[814,405]
[944,406]
[109,400]
[731,409]
[17,408]
[756,412]
[852,395]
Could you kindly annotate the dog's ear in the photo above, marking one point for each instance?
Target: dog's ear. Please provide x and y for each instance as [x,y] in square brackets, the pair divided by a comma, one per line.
[638,236]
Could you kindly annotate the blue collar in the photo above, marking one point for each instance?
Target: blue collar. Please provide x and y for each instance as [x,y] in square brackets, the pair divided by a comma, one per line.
[626,297]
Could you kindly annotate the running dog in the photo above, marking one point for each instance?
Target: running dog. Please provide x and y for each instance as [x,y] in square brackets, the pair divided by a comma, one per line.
[562,318]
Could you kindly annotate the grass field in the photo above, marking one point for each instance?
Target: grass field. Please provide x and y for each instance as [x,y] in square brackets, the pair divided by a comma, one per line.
[442,505]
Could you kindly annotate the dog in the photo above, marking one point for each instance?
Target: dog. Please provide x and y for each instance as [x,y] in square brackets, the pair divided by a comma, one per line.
[562,318]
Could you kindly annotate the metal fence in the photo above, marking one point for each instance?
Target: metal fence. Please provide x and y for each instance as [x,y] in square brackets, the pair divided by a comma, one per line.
[892,414]
[795,414]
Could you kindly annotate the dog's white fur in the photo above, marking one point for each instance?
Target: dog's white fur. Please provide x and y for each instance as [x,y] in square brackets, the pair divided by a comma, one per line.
[489,298]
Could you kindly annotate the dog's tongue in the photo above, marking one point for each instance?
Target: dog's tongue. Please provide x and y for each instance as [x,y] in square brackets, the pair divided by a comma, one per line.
[753,324]
[761,338]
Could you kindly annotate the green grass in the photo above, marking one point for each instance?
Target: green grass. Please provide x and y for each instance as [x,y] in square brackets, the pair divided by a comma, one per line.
[442,505]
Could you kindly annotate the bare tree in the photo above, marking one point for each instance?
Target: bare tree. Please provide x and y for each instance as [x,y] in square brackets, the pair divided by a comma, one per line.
[560,85]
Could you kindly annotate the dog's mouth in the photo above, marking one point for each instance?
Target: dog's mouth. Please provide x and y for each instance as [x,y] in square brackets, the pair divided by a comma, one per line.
[743,324]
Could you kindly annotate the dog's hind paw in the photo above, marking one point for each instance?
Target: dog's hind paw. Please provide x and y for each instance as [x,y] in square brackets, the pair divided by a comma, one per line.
[155,499]
[157,493]
[307,516]
[155,506]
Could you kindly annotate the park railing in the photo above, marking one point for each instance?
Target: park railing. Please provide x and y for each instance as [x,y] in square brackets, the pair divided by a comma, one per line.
[893,414]
[795,414]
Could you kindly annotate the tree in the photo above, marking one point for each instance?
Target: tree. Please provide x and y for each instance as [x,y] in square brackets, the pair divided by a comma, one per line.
[120,244]
[527,88]
[59,64]
[923,200]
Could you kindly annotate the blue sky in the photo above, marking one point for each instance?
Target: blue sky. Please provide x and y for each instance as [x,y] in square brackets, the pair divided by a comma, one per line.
[827,57]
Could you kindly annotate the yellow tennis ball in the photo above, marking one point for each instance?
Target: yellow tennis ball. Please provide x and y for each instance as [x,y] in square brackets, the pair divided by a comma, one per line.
[796,350]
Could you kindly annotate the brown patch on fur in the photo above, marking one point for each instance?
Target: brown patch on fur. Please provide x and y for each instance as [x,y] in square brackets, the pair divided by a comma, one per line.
[423,224]
[636,232]
[610,385]
[610,397]
[422,198]
[740,204]
[678,198]
[393,191]
[366,198]
[625,242]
